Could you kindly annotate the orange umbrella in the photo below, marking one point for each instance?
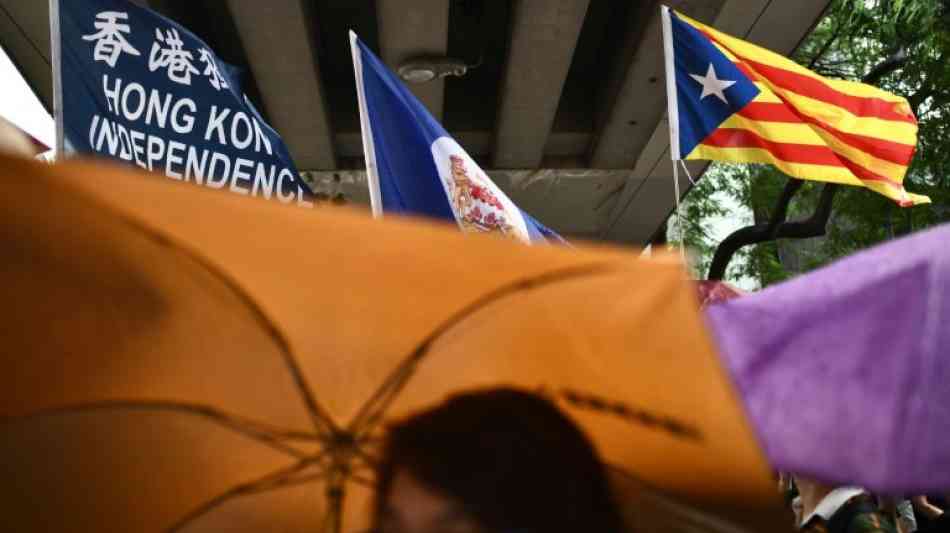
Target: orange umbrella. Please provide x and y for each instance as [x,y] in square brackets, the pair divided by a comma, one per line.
[188,360]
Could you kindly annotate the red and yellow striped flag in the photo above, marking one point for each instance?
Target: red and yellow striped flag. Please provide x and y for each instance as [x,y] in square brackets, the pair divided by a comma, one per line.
[808,126]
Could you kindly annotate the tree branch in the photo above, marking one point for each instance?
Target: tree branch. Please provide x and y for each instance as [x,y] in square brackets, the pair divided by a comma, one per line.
[894,61]
[780,212]
[824,48]
[830,72]
[918,98]
[813,226]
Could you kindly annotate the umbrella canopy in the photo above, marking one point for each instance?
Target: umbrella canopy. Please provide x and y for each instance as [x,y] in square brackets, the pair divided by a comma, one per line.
[845,371]
[178,359]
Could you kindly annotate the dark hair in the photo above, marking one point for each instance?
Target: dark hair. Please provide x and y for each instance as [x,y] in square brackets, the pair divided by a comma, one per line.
[509,457]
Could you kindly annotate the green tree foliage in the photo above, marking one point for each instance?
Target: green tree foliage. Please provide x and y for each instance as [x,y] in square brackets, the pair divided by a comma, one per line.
[852,38]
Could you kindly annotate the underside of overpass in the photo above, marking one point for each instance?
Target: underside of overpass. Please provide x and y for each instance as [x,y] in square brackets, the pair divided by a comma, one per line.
[564,103]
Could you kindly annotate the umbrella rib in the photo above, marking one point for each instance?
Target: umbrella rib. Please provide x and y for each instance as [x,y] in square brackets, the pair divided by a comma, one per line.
[371,412]
[367,459]
[321,419]
[360,480]
[277,479]
[255,430]
[336,493]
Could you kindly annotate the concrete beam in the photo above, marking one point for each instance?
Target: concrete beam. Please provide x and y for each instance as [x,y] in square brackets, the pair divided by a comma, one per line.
[24,34]
[786,24]
[544,35]
[409,28]
[279,44]
[572,202]
[566,144]
[641,99]
[648,199]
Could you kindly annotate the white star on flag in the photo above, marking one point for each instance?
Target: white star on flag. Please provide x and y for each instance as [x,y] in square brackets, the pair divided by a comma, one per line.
[712,85]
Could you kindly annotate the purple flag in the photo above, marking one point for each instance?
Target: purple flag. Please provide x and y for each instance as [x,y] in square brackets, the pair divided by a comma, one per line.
[845,372]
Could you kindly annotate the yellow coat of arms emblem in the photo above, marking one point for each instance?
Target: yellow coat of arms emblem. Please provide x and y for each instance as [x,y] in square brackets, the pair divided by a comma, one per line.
[478,208]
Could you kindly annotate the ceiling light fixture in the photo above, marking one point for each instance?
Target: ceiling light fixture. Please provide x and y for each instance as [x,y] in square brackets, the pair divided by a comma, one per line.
[425,69]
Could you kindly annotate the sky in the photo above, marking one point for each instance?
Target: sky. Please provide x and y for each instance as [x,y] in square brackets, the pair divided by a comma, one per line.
[19,105]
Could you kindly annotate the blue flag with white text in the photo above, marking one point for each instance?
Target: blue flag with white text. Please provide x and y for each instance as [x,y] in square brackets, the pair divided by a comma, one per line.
[141,88]
[415,167]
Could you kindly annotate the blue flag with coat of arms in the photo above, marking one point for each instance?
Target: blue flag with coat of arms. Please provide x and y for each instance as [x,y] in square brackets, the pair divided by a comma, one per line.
[413,166]
[141,88]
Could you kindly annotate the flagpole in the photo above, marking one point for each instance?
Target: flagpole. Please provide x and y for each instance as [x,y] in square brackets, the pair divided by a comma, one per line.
[369,148]
[679,220]
[56,51]
[672,105]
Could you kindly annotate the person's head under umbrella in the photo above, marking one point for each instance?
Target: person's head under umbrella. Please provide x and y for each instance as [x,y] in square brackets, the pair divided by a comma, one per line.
[499,460]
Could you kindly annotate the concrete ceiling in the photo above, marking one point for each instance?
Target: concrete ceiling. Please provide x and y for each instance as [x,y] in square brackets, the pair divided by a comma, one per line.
[564,106]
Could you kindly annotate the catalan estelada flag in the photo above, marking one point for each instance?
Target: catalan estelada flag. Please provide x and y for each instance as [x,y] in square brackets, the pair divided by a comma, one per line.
[730,100]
